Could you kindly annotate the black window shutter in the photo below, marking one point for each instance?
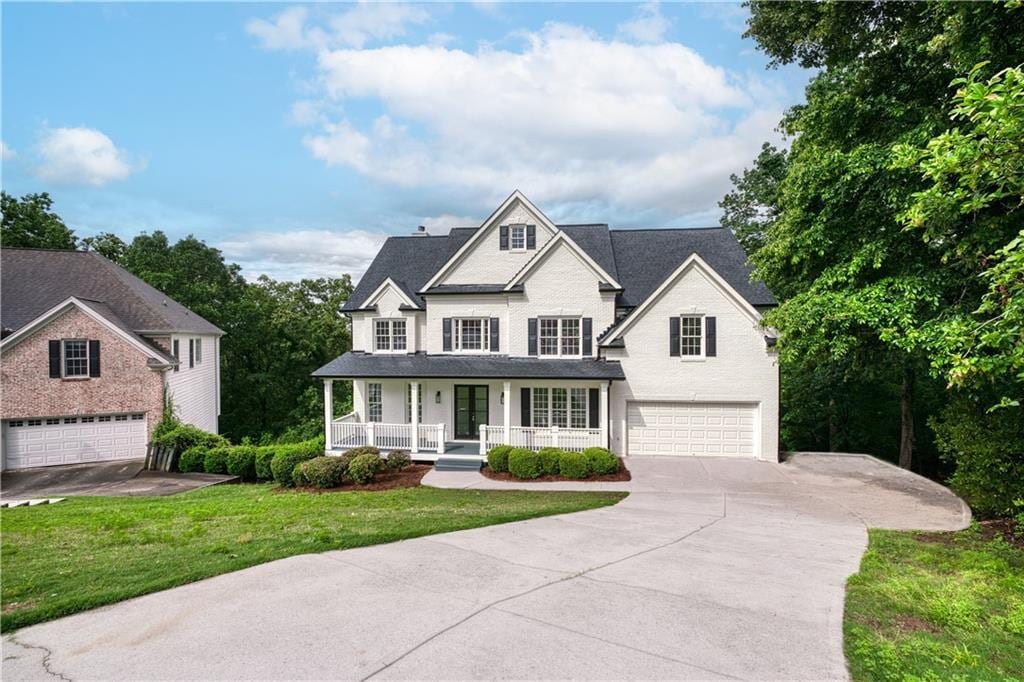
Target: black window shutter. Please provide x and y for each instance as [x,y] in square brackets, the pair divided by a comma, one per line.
[494,335]
[595,408]
[94,357]
[588,336]
[191,353]
[54,359]
[531,236]
[524,407]
[503,237]
[673,336]
[531,336]
[446,332]
[710,332]
[174,352]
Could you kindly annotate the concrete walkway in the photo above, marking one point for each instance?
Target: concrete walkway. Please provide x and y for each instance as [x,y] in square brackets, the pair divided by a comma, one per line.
[710,569]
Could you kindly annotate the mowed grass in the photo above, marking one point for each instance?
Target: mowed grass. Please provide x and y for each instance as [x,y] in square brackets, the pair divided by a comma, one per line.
[936,606]
[87,552]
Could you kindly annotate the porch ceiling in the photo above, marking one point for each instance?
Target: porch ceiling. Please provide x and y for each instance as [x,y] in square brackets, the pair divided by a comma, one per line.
[358,365]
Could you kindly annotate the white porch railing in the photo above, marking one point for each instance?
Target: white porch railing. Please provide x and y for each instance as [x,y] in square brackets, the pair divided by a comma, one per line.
[347,432]
[537,437]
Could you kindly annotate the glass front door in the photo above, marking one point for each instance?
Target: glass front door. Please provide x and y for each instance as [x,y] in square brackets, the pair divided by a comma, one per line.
[470,411]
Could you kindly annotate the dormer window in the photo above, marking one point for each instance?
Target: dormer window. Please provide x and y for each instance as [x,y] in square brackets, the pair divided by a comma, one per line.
[517,237]
[389,336]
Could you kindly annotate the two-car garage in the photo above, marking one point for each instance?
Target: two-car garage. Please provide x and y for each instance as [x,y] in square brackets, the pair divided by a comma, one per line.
[692,429]
[54,441]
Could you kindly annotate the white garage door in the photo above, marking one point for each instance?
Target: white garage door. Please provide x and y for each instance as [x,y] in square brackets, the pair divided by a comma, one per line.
[73,440]
[714,429]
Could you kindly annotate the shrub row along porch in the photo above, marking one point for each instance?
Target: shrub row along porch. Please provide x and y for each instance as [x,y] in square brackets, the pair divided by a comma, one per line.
[563,404]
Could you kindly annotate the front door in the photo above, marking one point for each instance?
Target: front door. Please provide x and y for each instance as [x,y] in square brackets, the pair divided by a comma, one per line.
[470,411]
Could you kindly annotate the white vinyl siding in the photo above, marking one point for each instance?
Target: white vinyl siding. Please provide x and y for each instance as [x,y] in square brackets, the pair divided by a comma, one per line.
[193,390]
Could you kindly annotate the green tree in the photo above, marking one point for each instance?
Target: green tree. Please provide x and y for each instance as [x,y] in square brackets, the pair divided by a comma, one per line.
[31,222]
[753,204]
[108,245]
[856,288]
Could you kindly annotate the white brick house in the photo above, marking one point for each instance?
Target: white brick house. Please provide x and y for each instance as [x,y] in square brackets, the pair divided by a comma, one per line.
[525,332]
[89,353]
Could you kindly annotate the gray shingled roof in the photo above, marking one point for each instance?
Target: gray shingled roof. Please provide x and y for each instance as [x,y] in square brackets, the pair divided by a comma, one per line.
[639,259]
[357,365]
[34,280]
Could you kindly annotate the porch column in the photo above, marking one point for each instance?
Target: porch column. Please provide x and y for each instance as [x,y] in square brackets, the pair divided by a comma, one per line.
[415,415]
[328,411]
[507,388]
[604,415]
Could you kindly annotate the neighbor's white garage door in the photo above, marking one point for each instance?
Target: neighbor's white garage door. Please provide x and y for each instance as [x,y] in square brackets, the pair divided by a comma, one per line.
[73,440]
[668,428]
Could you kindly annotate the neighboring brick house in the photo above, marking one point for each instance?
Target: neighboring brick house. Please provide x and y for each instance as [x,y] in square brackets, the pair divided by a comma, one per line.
[524,332]
[88,355]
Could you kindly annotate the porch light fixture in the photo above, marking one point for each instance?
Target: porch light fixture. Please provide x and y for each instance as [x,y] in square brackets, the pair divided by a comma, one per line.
[437,397]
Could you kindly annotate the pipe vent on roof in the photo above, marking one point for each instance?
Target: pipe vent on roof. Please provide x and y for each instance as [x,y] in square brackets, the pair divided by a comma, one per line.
[421,231]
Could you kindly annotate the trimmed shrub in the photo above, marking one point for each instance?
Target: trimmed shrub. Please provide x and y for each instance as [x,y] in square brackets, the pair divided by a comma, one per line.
[601,461]
[573,465]
[242,462]
[363,468]
[285,459]
[363,450]
[216,461]
[549,458]
[186,436]
[264,456]
[193,459]
[398,459]
[298,475]
[523,463]
[320,472]
[497,458]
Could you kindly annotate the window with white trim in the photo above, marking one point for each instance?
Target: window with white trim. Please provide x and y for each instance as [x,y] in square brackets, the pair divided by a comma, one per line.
[541,416]
[199,350]
[374,404]
[389,335]
[560,336]
[408,404]
[76,358]
[578,408]
[691,336]
[471,334]
[517,237]
[561,407]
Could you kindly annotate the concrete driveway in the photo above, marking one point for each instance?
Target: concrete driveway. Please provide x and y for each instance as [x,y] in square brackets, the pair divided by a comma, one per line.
[121,477]
[710,569]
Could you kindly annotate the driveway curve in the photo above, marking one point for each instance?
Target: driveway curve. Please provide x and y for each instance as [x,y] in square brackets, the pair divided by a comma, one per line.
[710,569]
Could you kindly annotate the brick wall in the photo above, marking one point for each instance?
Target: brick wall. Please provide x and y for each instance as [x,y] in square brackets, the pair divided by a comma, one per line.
[126,384]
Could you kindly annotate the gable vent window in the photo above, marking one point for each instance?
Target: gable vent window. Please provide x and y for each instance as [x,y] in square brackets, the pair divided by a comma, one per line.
[389,336]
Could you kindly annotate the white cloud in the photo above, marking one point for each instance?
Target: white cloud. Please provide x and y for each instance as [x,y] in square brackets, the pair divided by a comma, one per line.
[355,27]
[297,254]
[6,153]
[569,118]
[82,156]
[648,25]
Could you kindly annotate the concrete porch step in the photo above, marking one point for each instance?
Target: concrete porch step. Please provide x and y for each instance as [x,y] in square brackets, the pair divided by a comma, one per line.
[457,464]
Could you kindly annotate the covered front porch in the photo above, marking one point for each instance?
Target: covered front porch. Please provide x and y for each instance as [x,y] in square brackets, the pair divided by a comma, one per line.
[431,416]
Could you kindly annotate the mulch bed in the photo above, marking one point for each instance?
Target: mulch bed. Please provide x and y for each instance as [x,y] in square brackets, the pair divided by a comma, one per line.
[621,475]
[409,477]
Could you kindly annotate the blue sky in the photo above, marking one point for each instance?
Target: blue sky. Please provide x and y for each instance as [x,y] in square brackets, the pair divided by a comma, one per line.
[297,137]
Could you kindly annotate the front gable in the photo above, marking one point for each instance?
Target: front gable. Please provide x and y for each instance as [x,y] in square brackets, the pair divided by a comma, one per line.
[485,259]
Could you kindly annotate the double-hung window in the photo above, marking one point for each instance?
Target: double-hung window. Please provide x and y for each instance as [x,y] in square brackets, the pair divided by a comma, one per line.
[389,335]
[76,358]
[691,336]
[472,334]
[517,237]
[374,404]
[560,336]
[561,407]
[199,350]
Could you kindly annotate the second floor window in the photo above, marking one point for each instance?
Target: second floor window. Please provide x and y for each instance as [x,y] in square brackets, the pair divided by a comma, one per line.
[76,358]
[389,335]
[691,334]
[517,237]
[560,336]
[472,334]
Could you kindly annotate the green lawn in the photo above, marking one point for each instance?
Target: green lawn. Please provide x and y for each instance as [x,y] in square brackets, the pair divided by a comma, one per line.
[936,606]
[86,552]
